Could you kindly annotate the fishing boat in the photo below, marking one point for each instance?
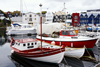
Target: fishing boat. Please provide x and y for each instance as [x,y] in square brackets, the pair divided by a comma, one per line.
[18,29]
[69,51]
[74,52]
[70,38]
[32,49]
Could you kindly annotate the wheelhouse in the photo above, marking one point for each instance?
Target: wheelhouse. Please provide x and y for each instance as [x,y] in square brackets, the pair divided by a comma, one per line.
[68,33]
[24,44]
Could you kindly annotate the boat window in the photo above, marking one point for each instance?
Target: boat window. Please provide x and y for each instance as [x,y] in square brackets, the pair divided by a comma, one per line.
[31,43]
[64,33]
[29,26]
[24,26]
[35,43]
[18,43]
[24,44]
[71,33]
[74,32]
[28,44]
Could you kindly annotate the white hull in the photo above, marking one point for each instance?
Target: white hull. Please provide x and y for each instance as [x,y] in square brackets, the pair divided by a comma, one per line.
[74,52]
[18,32]
[56,58]
[20,29]
[63,38]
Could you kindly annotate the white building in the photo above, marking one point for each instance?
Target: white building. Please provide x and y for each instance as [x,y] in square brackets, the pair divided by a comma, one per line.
[49,17]
[31,18]
[16,20]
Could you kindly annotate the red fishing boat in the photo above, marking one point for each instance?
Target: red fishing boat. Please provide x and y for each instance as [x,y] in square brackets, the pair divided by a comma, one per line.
[31,49]
[70,38]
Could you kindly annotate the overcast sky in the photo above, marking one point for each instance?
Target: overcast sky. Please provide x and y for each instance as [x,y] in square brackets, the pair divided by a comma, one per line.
[52,5]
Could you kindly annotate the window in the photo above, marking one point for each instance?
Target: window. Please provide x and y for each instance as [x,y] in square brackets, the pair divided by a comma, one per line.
[75,17]
[25,18]
[35,43]
[28,44]
[87,20]
[64,33]
[30,15]
[75,20]
[24,44]
[60,16]
[18,43]
[75,24]
[30,19]
[34,18]
[71,33]
[31,43]
[25,15]
[54,19]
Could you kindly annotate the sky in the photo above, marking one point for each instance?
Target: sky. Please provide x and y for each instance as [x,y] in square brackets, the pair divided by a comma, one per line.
[71,6]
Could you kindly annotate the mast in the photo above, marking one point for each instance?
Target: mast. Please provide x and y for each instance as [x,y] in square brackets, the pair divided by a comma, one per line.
[41,23]
[21,9]
[65,15]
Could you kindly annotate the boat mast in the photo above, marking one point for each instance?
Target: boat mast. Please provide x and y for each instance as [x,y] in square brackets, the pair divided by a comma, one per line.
[21,10]
[65,15]
[41,23]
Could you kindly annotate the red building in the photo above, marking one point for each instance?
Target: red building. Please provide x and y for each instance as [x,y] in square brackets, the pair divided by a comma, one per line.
[75,19]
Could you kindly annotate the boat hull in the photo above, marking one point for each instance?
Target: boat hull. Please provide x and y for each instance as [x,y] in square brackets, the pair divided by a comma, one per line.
[56,58]
[19,32]
[89,43]
[53,58]
[74,52]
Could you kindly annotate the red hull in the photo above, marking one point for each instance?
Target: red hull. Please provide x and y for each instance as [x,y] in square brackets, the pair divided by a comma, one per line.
[76,44]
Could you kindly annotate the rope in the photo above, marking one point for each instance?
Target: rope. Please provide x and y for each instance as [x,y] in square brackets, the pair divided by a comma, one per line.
[87,51]
[66,62]
[25,5]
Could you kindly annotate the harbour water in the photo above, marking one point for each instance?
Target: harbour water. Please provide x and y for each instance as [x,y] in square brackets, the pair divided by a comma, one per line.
[13,60]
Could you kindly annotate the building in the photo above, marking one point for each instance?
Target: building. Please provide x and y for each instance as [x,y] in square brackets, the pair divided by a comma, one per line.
[90,17]
[75,19]
[9,14]
[2,15]
[49,17]
[59,16]
[31,18]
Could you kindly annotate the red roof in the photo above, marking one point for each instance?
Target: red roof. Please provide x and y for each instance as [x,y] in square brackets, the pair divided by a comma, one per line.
[26,40]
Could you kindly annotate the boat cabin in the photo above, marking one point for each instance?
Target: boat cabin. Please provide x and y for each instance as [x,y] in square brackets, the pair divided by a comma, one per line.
[21,26]
[25,44]
[69,33]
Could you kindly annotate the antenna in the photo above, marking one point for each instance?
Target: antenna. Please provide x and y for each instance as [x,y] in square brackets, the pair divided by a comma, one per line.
[65,15]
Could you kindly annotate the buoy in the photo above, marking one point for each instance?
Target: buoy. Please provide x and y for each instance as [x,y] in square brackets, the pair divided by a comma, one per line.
[52,43]
[12,51]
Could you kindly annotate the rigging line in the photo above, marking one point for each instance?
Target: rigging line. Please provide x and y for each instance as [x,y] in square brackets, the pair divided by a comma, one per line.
[25,5]
[88,51]
[66,62]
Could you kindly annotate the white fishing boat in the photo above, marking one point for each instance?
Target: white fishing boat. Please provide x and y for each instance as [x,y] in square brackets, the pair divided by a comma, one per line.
[74,52]
[69,51]
[18,29]
[31,49]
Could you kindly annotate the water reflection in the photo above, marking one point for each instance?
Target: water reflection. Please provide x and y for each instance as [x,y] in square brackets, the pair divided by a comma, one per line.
[23,62]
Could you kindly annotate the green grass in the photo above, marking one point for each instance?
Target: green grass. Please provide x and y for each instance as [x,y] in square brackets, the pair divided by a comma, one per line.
[1,20]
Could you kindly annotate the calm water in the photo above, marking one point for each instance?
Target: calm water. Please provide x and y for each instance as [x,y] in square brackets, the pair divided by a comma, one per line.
[12,60]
